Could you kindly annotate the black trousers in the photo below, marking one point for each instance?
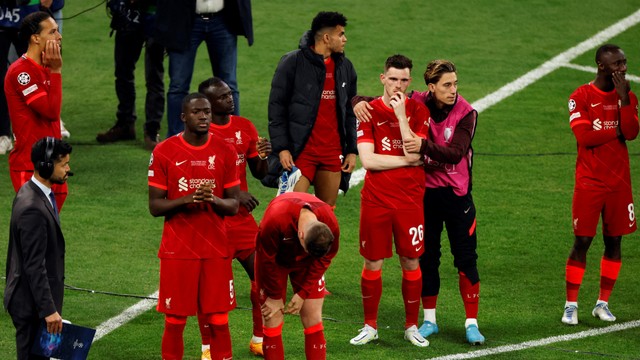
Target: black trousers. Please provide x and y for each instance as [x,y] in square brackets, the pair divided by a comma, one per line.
[128,47]
[458,213]
[26,333]
[8,36]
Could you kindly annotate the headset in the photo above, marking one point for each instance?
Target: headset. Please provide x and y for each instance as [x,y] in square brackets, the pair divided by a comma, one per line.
[45,167]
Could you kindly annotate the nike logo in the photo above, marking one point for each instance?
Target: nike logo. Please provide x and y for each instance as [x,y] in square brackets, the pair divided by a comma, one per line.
[418,248]
[633,223]
[466,211]
[287,239]
[412,301]
[180,163]
[382,123]
[320,289]
[594,105]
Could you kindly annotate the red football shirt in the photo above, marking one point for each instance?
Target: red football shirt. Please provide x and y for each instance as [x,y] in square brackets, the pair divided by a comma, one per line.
[603,160]
[195,231]
[278,245]
[34,99]
[243,136]
[325,136]
[396,188]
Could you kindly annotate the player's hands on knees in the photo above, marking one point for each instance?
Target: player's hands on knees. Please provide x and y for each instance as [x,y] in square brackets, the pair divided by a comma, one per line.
[349,163]
[294,306]
[286,160]
[248,201]
[271,307]
[54,323]
[412,144]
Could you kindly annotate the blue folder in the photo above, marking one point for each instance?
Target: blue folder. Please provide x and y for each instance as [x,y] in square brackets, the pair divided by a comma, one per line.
[72,344]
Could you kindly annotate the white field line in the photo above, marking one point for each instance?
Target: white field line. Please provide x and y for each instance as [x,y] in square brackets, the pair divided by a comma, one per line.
[480,105]
[542,342]
[593,70]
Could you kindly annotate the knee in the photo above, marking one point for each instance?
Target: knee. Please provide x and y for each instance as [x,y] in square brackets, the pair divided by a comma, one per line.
[470,270]
[175,319]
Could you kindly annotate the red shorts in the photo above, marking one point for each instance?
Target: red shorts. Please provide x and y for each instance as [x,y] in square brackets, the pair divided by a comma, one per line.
[310,161]
[188,286]
[279,280]
[378,224]
[241,233]
[19,178]
[616,209]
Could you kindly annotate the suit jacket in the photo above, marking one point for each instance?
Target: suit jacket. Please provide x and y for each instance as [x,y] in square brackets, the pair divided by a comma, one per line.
[35,259]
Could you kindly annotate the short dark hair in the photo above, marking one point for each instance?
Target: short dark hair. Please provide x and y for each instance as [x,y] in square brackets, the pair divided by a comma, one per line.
[326,19]
[318,239]
[435,70]
[31,25]
[214,81]
[39,151]
[606,48]
[187,99]
[398,61]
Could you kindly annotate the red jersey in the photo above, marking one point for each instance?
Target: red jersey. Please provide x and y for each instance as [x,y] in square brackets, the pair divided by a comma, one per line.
[396,188]
[278,245]
[325,136]
[34,100]
[603,160]
[195,231]
[243,136]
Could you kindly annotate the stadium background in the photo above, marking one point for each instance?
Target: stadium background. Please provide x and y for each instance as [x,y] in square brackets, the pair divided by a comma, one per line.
[523,178]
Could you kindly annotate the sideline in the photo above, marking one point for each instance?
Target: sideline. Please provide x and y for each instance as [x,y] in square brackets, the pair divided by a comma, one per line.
[480,105]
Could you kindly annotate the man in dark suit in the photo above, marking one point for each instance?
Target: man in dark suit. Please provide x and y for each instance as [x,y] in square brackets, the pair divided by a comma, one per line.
[35,258]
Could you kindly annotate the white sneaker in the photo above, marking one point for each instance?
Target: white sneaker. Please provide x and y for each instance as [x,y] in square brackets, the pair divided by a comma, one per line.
[288,180]
[63,130]
[413,335]
[5,144]
[602,312]
[570,316]
[367,334]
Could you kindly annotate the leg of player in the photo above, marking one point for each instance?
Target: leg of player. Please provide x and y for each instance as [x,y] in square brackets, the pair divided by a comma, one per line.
[205,335]
[575,268]
[609,269]
[220,335]
[315,345]
[255,345]
[411,290]
[273,319]
[302,185]
[326,184]
[371,287]
[172,338]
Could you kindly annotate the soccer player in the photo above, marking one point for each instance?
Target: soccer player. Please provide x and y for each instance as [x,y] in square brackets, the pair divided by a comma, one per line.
[391,195]
[311,122]
[297,238]
[241,228]
[33,87]
[193,183]
[447,199]
[603,115]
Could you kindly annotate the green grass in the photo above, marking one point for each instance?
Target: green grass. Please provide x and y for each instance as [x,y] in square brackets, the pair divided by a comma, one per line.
[523,200]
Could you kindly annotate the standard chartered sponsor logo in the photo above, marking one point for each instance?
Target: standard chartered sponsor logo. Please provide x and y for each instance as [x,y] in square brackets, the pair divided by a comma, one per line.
[185,185]
[182,184]
[597,124]
[386,144]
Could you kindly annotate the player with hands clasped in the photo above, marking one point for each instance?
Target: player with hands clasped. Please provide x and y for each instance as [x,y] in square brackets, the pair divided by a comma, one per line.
[603,115]
[193,183]
[391,205]
[253,151]
[297,239]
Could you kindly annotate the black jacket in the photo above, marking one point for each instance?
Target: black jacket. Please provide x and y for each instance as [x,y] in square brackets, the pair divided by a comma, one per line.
[175,19]
[35,258]
[296,90]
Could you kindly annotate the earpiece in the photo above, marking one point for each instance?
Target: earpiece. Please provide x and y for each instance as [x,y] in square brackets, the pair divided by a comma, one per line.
[45,167]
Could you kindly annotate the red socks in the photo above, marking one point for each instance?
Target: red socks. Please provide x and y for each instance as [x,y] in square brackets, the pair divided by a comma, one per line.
[205,332]
[573,277]
[255,310]
[272,343]
[429,302]
[371,285]
[411,290]
[609,270]
[470,295]
[172,342]
[315,346]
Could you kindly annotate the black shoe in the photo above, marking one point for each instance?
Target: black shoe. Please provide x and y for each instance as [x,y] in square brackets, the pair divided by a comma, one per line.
[150,141]
[117,133]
